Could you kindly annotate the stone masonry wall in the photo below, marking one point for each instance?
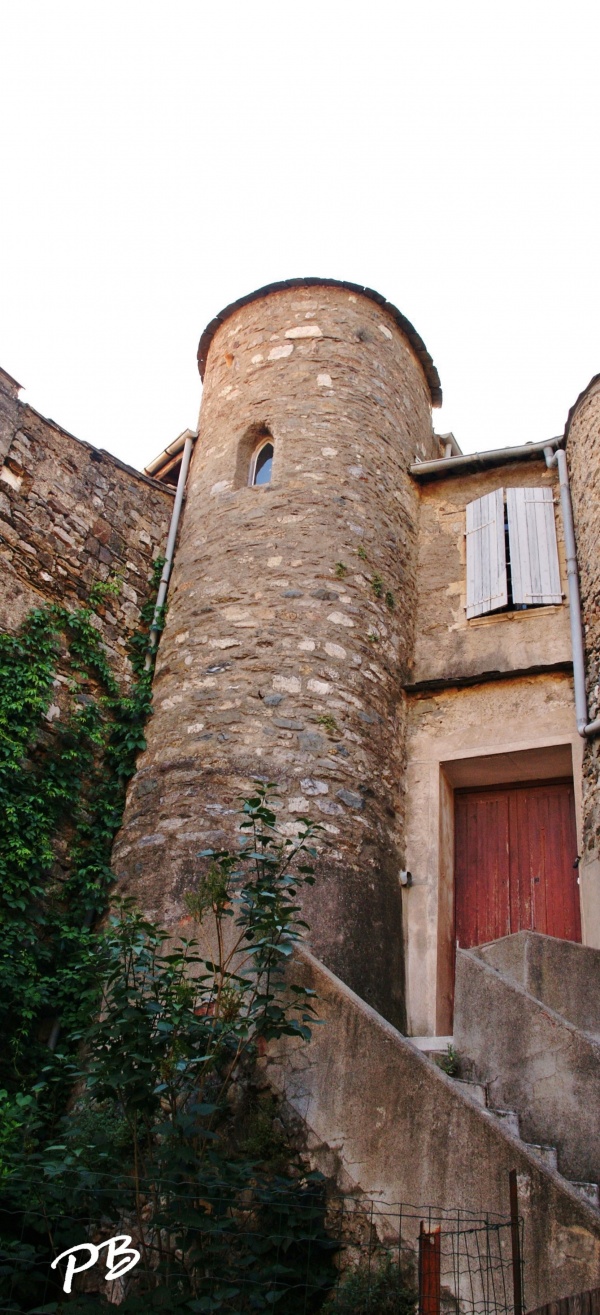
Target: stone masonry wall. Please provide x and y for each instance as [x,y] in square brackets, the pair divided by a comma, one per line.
[70,515]
[583,453]
[281,657]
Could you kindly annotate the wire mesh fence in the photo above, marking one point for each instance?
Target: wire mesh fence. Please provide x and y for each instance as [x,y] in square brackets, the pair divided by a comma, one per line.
[456,1260]
[288,1247]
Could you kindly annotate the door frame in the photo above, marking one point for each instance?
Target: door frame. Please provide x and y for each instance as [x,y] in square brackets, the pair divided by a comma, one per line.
[534,766]
[466,790]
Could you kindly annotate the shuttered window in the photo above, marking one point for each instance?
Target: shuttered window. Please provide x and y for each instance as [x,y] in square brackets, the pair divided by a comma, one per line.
[533,550]
[512,563]
[486,555]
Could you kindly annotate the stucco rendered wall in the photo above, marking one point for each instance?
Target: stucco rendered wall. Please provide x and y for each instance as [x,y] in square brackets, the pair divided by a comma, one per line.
[70,515]
[499,731]
[279,659]
[447,644]
[532,1060]
[564,976]
[583,455]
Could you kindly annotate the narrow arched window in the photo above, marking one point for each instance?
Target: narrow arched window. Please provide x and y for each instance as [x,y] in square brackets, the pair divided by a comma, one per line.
[261,465]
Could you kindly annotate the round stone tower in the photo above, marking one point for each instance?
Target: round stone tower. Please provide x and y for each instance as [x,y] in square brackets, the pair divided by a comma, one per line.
[291,611]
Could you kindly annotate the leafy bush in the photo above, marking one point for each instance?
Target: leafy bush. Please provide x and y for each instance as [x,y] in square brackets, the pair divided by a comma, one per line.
[152,1146]
[62,791]
[379,1289]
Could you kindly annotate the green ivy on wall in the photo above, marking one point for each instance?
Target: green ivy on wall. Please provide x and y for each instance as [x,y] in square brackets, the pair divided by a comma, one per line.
[62,792]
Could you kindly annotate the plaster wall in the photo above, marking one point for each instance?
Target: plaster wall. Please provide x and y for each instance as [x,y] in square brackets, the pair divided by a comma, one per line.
[563,975]
[501,731]
[281,655]
[532,1060]
[447,645]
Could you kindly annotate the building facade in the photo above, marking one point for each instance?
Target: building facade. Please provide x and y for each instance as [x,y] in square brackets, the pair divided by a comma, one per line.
[380,626]
[358,613]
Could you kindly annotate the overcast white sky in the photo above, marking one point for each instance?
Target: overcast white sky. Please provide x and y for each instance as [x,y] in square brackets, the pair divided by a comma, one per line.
[159,160]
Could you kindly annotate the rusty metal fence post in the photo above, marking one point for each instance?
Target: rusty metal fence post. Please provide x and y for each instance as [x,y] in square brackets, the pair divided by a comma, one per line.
[515,1238]
[430,1251]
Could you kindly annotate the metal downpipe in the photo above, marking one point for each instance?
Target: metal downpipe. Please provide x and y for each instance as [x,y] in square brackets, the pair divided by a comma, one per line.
[170,548]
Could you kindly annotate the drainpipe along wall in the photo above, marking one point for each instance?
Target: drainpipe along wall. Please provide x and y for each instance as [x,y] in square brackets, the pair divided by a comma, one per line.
[189,440]
[585,728]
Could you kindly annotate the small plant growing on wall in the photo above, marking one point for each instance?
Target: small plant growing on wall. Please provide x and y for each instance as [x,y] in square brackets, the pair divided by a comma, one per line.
[377,585]
[341,570]
[449,1062]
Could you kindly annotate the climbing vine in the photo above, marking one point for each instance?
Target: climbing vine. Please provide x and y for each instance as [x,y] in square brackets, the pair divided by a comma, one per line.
[65,760]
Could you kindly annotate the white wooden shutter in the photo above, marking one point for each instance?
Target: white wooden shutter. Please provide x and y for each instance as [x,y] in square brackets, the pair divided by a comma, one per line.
[533,551]
[486,554]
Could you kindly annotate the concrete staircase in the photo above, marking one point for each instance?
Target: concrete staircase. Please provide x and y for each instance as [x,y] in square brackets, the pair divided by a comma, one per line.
[436,1049]
[527,1034]
[383,1120]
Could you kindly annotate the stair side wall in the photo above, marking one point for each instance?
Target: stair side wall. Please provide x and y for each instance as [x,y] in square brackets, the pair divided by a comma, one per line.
[563,975]
[396,1128]
[531,1061]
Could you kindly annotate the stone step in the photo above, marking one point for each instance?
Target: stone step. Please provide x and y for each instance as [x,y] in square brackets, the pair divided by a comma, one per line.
[589,1192]
[546,1154]
[509,1119]
[432,1044]
[435,1047]
[475,1090]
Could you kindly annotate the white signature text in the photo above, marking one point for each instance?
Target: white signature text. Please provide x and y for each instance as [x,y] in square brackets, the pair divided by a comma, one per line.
[128,1258]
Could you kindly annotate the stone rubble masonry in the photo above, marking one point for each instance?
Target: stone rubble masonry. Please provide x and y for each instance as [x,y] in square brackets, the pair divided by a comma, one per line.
[583,454]
[281,657]
[71,515]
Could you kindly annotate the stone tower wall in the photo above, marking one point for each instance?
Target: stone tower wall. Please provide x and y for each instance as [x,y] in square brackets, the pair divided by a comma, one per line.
[281,656]
[71,515]
[583,453]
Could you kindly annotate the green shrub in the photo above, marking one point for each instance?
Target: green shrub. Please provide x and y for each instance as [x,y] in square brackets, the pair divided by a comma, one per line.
[153,1146]
[62,792]
[382,1288]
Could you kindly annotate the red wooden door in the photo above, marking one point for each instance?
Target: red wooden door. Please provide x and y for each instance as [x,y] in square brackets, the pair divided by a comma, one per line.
[514,852]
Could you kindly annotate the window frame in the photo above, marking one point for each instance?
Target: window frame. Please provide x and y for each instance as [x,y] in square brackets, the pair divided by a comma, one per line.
[522,520]
[266,442]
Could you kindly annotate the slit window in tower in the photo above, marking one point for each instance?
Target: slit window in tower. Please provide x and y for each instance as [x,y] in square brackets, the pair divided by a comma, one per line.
[261,466]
